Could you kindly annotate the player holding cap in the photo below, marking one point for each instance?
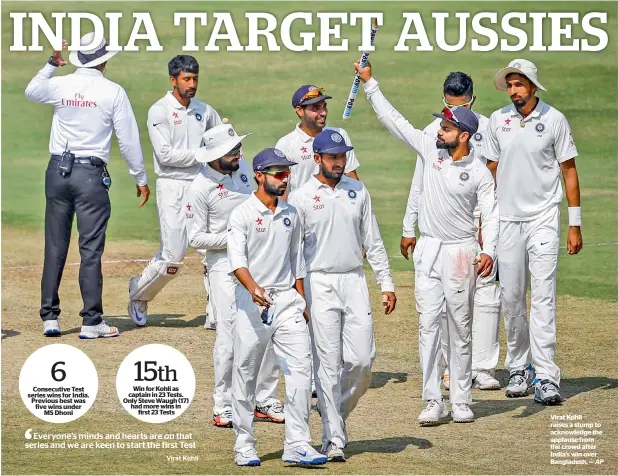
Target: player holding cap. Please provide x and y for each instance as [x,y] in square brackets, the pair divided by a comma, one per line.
[458,90]
[222,184]
[337,221]
[176,124]
[446,263]
[528,145]
[264,238]
[310,105]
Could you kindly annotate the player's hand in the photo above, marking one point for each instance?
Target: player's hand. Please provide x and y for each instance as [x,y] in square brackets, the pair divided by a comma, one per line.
[306,315]
[485,265]
[574,240]
[260,297]
[406,243]
[57,55]
[389,300]
[144,192]
[364,73]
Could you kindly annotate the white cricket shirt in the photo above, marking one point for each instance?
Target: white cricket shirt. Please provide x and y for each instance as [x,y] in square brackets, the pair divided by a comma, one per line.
[451,189]
[298,147]
[176,135]
[211,198]
[87,108]
[410,219]
[267,243]
[529,158]
[336,224]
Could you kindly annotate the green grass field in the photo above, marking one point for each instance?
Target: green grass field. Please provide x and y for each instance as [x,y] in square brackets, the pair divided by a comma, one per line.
[253,90]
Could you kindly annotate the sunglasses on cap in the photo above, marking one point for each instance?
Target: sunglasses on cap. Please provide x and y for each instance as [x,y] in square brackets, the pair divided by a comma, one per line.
[234,151]
[314,93]
[278,174]
[466,104]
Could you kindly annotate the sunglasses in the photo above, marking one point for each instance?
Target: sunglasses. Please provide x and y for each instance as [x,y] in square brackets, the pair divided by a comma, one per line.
[314,93]
[234,151]
[466,104]
[278,174]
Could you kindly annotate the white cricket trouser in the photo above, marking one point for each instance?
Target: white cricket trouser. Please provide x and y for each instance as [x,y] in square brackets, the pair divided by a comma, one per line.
[530,247]
[289,335]
[222,294]
[343,345]
[444,274]
[173,241]
[485,324]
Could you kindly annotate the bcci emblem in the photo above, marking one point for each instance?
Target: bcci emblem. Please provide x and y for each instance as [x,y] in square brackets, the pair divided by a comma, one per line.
[231,132]
[287,222]
[539,127]
[336,137]
[198,117]
[517,65]
[312,88]
[244,178]
[464,176]
[278,153]
[478,137]
[352,194]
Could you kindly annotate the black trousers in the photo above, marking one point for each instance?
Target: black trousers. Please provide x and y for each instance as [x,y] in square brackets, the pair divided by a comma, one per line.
[81,193]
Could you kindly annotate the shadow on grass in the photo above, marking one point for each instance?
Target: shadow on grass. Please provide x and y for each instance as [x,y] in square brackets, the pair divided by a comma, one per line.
[125,324]
[9,333]
[380,379]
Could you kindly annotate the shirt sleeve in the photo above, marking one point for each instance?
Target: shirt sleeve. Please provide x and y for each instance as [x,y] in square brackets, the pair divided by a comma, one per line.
[197,223]
[488,206]
[297,259]
[40,88]
[564,146]
[410,219]
[213,118]
[351,163]
[396,124]
[491,147]
[237,242]
[127,132]
[374,246]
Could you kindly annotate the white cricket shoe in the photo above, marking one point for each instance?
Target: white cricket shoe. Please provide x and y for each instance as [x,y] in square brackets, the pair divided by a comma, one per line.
[138,310]
[273,412]
[446,381]
[246,457]
[333,452]
[462,413]
[303,454]
[210,325]
[51,328]
[485,381]
[518,384]
[433,413]
[100,330]
[222,419]
[546,392]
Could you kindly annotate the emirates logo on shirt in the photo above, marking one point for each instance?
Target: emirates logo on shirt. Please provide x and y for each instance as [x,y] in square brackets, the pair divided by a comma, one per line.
[78,101]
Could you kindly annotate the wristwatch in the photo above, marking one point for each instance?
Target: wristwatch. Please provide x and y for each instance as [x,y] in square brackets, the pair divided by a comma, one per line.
[51,61]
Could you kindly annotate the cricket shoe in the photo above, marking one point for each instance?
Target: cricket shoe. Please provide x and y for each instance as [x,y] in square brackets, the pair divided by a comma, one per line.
[446,381]
[546,392]
[519,382]
[247,457]
[303,454]
[138,310]
[210,325]
[485,381]
[434,411]
[461,413]
[51,328]
[333,453]
[223,419]
[272,412]
[103,329]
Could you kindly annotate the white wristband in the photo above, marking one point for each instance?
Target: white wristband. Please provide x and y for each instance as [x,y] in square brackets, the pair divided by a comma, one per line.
[575,216]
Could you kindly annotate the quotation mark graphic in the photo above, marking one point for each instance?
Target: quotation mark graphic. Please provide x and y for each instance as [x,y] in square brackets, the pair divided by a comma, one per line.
[28,434]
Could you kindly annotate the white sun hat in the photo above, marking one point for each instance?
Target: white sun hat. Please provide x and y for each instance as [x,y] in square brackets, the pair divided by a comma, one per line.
[520,66]
[91,57]
[217,142]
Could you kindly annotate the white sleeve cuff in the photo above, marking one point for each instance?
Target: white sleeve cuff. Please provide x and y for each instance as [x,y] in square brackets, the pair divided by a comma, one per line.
[388,287]
[371,85]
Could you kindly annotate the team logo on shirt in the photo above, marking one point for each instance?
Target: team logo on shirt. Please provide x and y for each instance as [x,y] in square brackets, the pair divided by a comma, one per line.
[478,137]
[303,150]
[287,222]
[336,137]
[464,176]
[316,203]
[351,194]
[258,228]
[188,214]
[244,178]
[231,132]
[540,127]
[198,117]
[278,153]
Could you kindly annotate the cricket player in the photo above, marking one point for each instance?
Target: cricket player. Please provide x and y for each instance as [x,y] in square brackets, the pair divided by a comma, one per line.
[458,90]
[309,102]
[337,221]
[446,258]
[221,185]
[265,255]
[529,144]
[176,123]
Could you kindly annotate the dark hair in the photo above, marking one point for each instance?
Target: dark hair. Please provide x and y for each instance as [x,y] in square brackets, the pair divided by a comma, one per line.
[458,84]
[183,64]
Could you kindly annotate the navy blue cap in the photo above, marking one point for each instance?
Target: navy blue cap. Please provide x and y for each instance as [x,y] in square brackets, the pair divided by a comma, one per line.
[463,118]
[270,157]
[300,93]
[330,141]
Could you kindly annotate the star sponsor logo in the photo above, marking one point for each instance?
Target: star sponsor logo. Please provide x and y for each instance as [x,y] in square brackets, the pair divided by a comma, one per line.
[259,225]
[188,214]
[507,121]
[176,118]
[303,149]
[316,203]
[222,192]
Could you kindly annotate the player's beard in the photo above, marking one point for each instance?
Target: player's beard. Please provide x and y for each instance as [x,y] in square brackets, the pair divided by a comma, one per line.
[273,190]
[447,145]
[331,174]
[229,165]
[521,102]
